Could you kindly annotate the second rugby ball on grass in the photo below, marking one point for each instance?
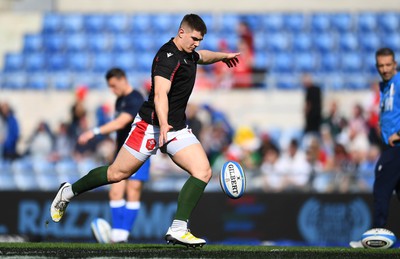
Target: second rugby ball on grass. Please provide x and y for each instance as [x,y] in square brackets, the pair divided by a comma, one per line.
[232,179]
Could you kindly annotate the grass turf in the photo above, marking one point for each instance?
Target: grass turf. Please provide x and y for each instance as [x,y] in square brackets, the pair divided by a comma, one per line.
[89,250]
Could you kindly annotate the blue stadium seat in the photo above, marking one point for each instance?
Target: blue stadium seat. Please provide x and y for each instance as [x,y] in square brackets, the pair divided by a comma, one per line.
[116,23]
[98,42]
[101,62]
[369,41]
[79,61]
[367,22]
[295,22]
[369,62]
[121,42]
[94,23]
[61,81]
[348,42]
[357,82]
[92,80]
[329,62]
[209,19]
[305,62]
[320,22]
[52,22]
[253,20]
[262,60]
[57,62]
[229,22]
[273,22]
[38,81]
[259,42]
[163,23]
[282,63]
[75,42]
[302,42]
[125,60]
[391,40]
[342,22]
[54,43]
[351,62]
[278,42]
[211,42]
[288,82]
[7,182]
[35,62]
[140,23]
[67,171]
[14,62]
[14,81]
[389,22]
[46,177]
[144,61]
[143,43]
[336,81]
[24,178]
[324,42]
[72,23]
[33,43]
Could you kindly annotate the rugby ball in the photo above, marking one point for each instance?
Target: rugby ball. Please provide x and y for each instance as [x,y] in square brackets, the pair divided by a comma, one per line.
[378,238]
[232,179]
[101,230]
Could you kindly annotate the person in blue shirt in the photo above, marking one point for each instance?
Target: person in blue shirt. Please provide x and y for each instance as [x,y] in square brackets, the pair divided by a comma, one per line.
[387,169]
[124,195]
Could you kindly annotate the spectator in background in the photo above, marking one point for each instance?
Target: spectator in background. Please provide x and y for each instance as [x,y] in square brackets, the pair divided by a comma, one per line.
[2,133]
[192,120]
[40,144]
[11,132]
[333,120]
[272,179]
[63,144]
[246,35]
[243,72]
[78,113]
[295,167]
[312,107]
[222,74]
[372,114]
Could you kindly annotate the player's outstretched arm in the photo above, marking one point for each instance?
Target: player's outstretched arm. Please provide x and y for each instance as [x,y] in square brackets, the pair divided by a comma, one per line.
[118,123]
[210,57]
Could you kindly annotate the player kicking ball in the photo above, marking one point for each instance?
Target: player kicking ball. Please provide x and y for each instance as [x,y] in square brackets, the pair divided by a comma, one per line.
[161,124]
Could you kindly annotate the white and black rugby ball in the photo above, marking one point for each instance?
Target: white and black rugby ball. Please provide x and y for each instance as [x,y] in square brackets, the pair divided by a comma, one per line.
[232,179]
[378,238]
[101,230]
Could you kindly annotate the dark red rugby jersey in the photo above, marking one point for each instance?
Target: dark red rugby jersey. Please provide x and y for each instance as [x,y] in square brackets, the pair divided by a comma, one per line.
[180,68]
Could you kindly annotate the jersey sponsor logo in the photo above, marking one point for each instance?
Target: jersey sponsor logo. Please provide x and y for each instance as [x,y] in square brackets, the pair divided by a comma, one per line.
[169,54]
[150,144]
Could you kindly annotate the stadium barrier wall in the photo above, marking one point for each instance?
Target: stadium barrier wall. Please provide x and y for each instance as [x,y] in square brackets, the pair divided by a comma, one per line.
[255,218]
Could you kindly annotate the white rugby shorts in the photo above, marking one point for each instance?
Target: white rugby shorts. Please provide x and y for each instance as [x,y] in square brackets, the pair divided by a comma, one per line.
[142,140]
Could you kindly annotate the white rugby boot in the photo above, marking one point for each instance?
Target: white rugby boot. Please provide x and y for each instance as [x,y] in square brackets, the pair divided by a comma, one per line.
[356,244]
[59,204]
[183,237]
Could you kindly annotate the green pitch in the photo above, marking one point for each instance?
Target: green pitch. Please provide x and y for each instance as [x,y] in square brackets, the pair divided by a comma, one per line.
[85,250]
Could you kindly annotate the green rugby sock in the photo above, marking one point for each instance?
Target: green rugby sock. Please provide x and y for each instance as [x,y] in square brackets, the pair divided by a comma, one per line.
[188,197]
[95,178]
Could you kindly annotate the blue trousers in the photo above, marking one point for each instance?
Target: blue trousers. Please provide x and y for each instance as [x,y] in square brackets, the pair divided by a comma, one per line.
[387,181]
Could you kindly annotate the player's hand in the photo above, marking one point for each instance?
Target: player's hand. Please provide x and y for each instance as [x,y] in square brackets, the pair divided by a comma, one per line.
[393,139]
[85,137]
[231,60]
[163,134]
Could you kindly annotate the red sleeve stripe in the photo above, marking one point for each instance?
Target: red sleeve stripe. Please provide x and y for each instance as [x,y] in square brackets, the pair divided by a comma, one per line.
[173,72]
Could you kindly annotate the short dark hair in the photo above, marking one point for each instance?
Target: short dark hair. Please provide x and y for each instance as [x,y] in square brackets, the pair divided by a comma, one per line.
[384,52]
[195,23]
[115,72]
